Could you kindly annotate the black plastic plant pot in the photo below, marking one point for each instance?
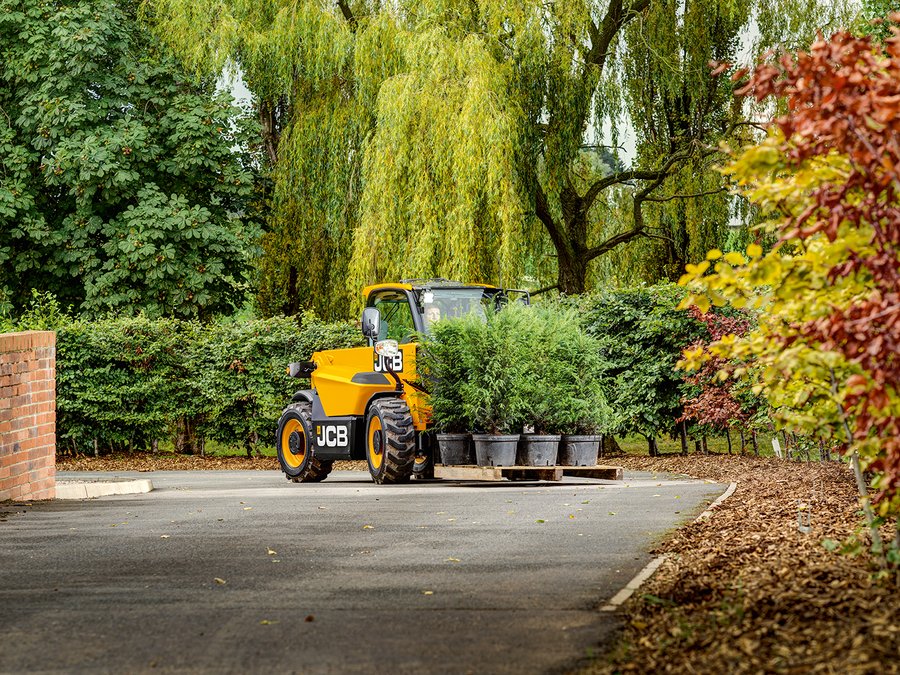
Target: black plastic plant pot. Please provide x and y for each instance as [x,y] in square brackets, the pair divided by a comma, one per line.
[579,450]
[538,450]
[495,449]
[455,449]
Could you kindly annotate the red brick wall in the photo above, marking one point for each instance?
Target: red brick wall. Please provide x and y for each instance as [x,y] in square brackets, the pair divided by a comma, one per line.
[27,415]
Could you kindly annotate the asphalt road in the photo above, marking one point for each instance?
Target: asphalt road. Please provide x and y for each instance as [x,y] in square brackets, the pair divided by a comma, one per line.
[245,572]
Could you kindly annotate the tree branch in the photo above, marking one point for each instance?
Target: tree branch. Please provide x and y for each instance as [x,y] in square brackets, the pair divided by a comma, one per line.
[612,242]
[348,14]
[613,179]
[542,211]
[691,196]
[639,228]
[543,290]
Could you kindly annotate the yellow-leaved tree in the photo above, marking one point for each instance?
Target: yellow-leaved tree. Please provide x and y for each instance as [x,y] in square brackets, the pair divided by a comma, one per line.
[827,349]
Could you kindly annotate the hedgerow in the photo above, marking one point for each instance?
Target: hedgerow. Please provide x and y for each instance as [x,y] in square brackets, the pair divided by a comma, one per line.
[127,383]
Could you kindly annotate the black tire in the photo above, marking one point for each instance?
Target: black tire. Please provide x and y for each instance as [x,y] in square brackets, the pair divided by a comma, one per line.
[423,466]
[295,452]
[390,441]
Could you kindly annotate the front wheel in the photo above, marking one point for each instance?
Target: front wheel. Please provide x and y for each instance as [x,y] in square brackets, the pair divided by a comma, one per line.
[292,442]
[390,441]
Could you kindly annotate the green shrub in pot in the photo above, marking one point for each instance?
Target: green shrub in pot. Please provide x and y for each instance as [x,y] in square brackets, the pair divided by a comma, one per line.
[477,371]
[564,393]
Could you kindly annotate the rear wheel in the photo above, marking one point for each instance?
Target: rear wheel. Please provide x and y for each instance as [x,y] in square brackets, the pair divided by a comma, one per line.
[292,442]
[423,466]
[390,441]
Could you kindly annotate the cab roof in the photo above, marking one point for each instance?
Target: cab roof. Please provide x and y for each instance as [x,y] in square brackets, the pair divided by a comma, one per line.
[416,284]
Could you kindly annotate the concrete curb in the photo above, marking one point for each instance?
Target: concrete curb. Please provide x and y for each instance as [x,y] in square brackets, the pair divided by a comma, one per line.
[619,598]
[93,489]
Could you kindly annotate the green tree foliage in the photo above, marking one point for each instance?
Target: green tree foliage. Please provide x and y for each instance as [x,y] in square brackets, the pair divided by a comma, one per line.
[875,19]
[641,336]
[121,183]
[461,139]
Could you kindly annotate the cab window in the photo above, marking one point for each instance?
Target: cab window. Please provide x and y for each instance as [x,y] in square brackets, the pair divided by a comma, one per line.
[396,316]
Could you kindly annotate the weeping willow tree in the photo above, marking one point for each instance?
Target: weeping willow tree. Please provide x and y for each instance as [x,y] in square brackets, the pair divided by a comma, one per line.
[465,138]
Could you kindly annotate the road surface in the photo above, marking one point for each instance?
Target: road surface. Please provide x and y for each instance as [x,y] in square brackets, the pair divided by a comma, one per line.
[241,572]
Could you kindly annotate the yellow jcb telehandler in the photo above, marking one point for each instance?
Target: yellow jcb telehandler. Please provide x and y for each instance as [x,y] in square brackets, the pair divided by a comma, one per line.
[365,401]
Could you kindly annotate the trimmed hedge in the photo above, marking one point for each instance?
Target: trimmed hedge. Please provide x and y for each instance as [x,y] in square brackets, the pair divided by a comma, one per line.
[127,382]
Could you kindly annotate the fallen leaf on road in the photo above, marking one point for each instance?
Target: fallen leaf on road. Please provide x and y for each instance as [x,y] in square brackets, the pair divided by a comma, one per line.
[427,592]
[271,552]
[266,622]
[219,581]
[164,536]
[368,527]
[309,618]
[452,560]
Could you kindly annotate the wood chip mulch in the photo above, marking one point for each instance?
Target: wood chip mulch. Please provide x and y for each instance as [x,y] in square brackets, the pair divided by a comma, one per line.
[745,591]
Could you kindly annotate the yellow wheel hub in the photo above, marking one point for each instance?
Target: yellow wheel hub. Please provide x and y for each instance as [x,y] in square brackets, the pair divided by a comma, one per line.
[375,444]
[294,452]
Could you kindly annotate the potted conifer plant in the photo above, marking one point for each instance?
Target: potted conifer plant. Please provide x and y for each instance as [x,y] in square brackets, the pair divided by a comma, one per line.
[441,356]
[494,395]
[566,400]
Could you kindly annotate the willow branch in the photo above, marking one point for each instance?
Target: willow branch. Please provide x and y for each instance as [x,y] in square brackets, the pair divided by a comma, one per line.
[690,196]
[348,14]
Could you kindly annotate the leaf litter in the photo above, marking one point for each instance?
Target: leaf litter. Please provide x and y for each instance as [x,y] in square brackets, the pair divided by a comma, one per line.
[745,591]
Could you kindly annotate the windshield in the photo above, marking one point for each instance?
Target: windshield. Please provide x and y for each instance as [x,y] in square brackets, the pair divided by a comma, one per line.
[451,303]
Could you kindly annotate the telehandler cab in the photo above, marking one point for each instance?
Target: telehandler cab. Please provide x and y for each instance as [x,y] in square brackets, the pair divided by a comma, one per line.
[364,401]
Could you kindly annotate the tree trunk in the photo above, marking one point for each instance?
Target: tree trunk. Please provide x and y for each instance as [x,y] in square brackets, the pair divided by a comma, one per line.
[185,439]
[682,434]
[651,443]
[572,276]
[705,446]
[154,446]
[610,446]
[743,440]
[755,445]
[271,133]
[728,438]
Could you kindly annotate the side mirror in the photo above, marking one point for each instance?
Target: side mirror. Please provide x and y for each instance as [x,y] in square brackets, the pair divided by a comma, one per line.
[371,322]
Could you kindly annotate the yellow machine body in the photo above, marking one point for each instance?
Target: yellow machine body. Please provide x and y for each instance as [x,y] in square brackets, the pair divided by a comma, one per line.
[343,381]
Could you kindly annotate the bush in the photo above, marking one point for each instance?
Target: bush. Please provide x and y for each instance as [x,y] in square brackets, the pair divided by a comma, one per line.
[641,335]
[520,367]
[126,382]
[567,393]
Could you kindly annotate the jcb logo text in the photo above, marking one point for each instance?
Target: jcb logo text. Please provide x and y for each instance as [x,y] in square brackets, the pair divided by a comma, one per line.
[330,436]
[395,362]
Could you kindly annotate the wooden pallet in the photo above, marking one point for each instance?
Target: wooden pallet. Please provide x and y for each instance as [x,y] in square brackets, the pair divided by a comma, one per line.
[554,473]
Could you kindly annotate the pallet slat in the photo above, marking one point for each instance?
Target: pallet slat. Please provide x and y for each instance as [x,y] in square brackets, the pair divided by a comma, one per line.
[550,473]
